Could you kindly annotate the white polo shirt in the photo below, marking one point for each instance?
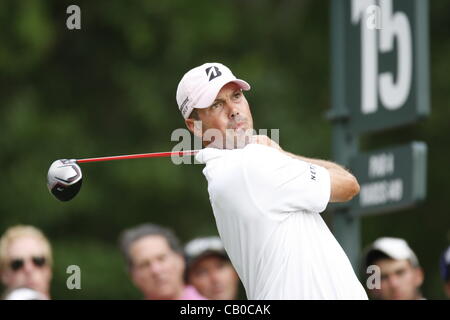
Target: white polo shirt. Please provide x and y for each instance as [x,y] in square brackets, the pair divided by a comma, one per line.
[266,205]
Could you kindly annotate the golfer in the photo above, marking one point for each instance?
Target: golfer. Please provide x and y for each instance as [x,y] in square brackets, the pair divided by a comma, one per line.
[266,201]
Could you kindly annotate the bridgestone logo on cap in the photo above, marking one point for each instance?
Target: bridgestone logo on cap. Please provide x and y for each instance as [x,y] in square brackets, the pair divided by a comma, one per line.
[213,72]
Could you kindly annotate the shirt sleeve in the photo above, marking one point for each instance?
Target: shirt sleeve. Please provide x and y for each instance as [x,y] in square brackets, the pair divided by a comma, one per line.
[280,183]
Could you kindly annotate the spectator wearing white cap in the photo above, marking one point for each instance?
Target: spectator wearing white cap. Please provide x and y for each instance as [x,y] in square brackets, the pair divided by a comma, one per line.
[210,270]
[445,270]
[401,274]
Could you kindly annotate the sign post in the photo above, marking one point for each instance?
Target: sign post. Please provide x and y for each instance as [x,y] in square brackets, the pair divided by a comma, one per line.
[380,80]
[390,179]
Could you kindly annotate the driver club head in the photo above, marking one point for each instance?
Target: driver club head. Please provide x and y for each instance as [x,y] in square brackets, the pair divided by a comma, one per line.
[64,179]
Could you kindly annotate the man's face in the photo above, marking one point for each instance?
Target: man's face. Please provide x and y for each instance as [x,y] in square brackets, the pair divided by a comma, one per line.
[215,278]
[27,265]
[156,269]
[399,280]
[228,121]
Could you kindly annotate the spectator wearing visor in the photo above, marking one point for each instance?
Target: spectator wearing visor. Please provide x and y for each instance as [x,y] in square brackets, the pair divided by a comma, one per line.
[210,270]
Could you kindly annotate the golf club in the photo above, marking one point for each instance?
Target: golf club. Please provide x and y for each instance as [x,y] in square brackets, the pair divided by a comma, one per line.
[64,177]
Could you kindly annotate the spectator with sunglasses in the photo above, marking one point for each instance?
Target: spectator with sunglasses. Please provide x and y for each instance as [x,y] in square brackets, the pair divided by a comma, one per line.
[26,260]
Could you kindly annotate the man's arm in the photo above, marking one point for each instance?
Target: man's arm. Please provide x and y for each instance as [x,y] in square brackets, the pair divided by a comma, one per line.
[344,185]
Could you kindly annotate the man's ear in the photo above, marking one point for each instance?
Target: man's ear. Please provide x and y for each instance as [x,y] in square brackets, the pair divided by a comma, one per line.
[190,124]
[447,288]
[134,278]
[419,276]
[5,276]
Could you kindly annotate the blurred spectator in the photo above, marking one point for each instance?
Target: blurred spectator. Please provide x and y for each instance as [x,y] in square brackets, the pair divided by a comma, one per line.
[26,261]
[401,274]
[210,270]
[156,264]
[445,270]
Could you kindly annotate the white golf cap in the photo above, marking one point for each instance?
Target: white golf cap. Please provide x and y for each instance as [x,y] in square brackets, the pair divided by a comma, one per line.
[394,248]
[201,247]
[199,86]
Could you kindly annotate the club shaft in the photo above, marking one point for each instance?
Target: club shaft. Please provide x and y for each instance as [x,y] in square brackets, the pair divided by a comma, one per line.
[142,155]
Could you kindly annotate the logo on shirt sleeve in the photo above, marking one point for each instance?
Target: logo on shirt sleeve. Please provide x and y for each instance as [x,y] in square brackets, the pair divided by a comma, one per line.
[312,171]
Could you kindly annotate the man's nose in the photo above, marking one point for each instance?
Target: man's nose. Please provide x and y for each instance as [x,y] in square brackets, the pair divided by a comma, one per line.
[234,109]
[156,268]
[393,281]
[216,277]
[28,266]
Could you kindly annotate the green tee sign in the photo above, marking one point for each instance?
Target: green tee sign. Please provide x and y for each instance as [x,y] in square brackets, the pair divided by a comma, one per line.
[390,179]
[380,80]
[386,59]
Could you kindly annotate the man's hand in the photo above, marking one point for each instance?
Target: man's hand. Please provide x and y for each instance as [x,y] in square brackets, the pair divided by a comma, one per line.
[344,185]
